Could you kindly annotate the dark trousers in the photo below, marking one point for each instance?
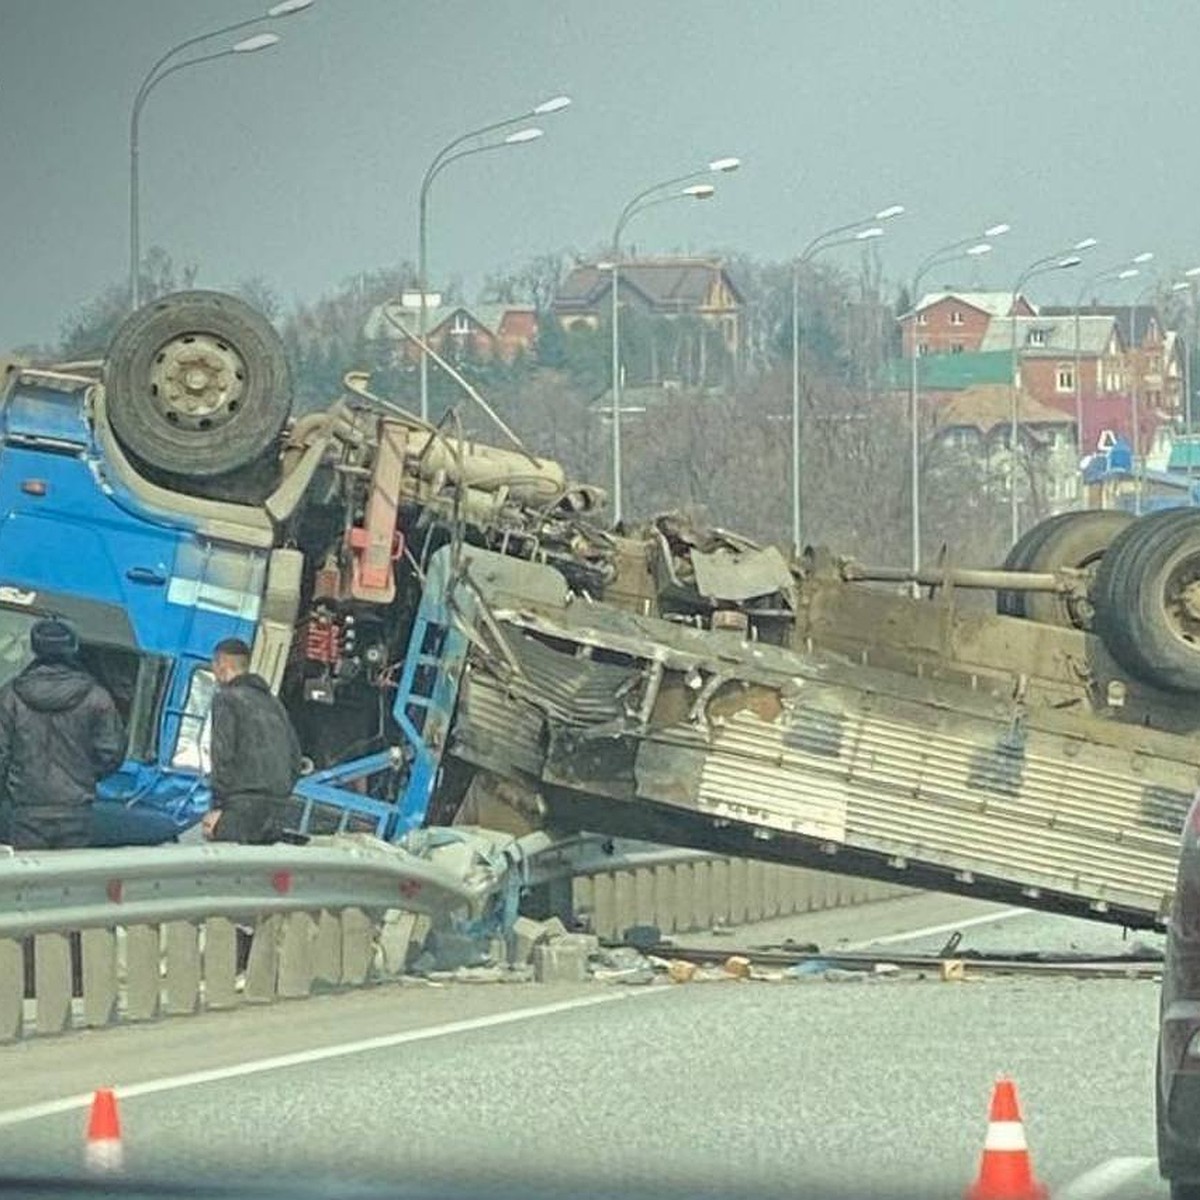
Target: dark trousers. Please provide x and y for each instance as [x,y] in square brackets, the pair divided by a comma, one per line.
[39,829]
[253,820]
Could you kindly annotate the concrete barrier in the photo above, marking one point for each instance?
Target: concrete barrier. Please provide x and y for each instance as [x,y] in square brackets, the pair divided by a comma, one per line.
[693,896]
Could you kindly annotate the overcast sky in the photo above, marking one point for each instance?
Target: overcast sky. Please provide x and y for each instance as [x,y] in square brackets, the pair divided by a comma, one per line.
[302,163]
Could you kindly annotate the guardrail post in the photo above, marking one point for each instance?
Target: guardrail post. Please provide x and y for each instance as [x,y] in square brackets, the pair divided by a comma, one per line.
[143,960]
[296,956]
[718,888]
[327,952]
[99,977]
[220,963]
[772,874]
[358,950]
[183,967]
[643,886]
[685,890]
[756,894]
[12,990]
[604,916]
[702,894]
[52,971]
[664,898]
[262,967]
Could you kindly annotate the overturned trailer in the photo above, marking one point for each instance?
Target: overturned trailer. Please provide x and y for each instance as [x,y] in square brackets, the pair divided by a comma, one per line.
[460,638]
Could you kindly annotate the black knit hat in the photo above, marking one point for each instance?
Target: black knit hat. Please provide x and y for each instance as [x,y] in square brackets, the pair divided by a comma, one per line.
[53,640]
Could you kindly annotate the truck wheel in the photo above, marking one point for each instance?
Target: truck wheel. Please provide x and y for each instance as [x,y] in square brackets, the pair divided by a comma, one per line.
[1012,604]
[1147,600]
[1078,541]
[196,384]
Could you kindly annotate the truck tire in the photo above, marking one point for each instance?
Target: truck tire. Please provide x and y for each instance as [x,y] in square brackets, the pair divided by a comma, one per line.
[197,385]
[1079,541]
[1147,600]
[1012,604]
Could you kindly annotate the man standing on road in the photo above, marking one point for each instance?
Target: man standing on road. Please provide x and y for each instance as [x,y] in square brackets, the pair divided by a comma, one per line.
[59,734]
[255,752]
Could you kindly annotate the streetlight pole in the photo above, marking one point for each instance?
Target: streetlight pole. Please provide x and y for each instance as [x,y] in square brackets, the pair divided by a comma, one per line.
[1187,284]
[1113,274]
[154,76]
[646,198]
[818,245]
[962,248]
[450,152]
[1064,260]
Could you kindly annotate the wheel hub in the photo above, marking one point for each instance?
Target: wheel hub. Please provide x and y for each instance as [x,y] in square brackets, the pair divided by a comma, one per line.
[197,381]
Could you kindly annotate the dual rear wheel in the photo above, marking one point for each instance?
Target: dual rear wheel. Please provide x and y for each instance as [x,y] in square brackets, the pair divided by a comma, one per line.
[1143,597]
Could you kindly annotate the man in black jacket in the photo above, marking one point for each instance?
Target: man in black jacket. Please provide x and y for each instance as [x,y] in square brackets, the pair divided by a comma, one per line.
[59,733]
[255,753]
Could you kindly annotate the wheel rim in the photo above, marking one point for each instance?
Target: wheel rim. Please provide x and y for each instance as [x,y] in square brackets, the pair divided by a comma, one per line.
[197,381]
[1181,600]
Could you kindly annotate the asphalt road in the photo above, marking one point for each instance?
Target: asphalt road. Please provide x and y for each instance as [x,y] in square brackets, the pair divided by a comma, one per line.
[714,1088]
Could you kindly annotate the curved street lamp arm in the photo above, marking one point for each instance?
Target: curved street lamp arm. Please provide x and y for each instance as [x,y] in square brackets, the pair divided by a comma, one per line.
[434,172]
[633,205]
[648,201]
[149,81]
[816,244]
[444,155]
[144,94]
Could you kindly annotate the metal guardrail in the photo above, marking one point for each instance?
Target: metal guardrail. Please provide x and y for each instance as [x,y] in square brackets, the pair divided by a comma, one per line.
[53,890]
[93,937]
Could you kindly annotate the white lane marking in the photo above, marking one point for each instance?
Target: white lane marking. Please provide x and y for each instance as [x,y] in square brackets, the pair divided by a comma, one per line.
[50,1108]
[949,927]
[1105,1179]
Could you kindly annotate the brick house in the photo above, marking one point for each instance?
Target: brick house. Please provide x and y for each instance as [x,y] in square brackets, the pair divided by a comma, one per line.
[665,287]
[955,322]
[1153,354]
[481,331]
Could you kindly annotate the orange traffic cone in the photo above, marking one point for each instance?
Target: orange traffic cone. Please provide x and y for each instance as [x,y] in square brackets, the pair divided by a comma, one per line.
[103,1150]
[1005,1170]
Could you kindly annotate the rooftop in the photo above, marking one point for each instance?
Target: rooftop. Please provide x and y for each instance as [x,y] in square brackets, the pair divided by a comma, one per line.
[952,372]
[666,282]
[1049,334]
[995,304]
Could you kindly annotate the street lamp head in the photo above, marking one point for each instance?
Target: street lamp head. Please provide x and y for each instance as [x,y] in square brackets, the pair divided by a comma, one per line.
[1086,244]
[257,41]
[522,136]
[699,191]
[996,230]
[1064,264]
[287,8]
[886,214]
[979,250]
[1128,273]
[1192,272]
[553,105]
[1144,257]
[866,235]
[725,165]
[1181,286]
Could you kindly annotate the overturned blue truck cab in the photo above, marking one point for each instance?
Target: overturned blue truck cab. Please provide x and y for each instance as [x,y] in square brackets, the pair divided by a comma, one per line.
[291,537]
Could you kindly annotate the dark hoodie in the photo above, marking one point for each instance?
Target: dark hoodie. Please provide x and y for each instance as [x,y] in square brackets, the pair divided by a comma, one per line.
[59,733]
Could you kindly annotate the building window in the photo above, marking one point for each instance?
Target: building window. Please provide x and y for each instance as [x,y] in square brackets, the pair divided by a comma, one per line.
[956,317]
[1037,337]
[956,348]
[462,324]
[1064,380]
[923,349]
[922,318]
